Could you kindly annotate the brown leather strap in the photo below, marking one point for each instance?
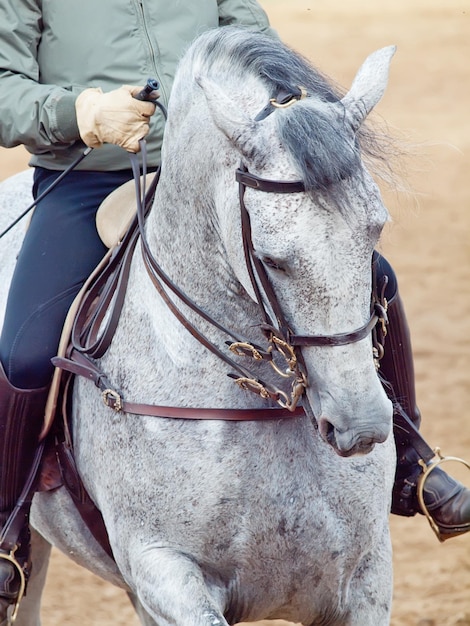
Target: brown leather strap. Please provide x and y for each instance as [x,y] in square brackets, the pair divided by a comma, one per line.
[107,292]
[259,278]
[81,365]
[87,509]
[270,186]
[161,281]
[339,339]
[406,432]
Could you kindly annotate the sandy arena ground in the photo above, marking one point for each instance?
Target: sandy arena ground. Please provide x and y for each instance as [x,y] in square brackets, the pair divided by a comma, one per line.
[428,101]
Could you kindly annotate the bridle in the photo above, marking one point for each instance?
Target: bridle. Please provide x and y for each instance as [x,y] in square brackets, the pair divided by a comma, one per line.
[282,341]
[98,313]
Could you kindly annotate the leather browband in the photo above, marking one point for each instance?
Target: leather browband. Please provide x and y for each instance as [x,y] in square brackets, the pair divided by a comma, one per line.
[271,186]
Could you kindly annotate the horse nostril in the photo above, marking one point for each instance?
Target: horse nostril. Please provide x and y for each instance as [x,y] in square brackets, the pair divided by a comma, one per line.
[327,431]
[330,435]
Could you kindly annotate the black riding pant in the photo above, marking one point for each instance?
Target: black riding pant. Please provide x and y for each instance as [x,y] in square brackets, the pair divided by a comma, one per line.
[61,248]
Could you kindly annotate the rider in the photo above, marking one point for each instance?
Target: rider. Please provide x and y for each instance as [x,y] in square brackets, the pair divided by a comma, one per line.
[61,70]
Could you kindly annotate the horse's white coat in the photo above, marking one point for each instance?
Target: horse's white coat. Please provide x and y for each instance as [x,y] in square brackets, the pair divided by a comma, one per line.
[251,520]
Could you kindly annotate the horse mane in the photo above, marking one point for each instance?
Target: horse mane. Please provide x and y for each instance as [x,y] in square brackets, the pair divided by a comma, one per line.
[313,136]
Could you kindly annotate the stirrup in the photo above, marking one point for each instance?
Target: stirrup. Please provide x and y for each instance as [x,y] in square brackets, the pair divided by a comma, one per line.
[427,469]
[10,557]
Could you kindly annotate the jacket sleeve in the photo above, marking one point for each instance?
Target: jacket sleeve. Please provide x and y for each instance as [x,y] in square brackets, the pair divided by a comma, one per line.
[31,113]
[245,13]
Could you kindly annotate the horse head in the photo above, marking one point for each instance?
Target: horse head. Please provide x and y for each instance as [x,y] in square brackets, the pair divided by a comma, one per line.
[315,244]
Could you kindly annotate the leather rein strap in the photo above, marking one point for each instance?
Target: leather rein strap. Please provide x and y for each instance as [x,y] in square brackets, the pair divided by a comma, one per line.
[105,297]
[160,280]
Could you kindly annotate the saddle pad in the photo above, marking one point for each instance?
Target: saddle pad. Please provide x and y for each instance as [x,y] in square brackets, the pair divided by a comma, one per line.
[51,404]
[117,211]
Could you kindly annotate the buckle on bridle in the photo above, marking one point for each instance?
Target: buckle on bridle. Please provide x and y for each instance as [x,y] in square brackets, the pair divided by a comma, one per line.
[244,348]
[112,399]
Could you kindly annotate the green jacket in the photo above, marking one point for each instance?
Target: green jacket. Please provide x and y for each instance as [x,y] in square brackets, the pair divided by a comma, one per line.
[50,50]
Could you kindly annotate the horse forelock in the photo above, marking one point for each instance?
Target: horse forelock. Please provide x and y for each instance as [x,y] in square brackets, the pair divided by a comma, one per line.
[317,137]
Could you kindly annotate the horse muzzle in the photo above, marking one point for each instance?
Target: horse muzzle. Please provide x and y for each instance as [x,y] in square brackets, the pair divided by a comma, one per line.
[356,440]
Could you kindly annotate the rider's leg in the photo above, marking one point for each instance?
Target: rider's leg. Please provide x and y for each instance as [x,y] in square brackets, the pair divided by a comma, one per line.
[447,501]
[60,250]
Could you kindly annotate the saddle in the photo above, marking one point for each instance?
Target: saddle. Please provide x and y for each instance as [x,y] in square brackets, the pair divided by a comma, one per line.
[117,225]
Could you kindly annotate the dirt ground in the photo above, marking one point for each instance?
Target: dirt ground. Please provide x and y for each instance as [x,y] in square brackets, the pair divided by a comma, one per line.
[428,101]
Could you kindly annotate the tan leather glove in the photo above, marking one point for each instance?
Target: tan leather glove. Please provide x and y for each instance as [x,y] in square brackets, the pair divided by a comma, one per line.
[113,117]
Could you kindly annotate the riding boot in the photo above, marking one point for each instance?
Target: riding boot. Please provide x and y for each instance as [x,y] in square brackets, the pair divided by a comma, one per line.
[21,415]
[446,500]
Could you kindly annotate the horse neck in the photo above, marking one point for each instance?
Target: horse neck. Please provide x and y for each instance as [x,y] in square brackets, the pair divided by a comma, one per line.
[185,229]
[182,240]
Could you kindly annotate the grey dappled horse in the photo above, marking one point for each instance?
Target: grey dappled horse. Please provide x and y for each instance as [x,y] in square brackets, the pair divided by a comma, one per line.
[213,522]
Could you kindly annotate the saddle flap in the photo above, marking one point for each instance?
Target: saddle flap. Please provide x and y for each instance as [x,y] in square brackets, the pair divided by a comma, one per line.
[52,399]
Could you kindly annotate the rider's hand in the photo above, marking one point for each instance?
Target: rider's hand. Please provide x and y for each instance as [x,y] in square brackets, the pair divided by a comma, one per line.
[114,117]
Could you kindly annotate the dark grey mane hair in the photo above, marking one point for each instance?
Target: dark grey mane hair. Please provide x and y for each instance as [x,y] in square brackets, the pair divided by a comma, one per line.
[322,153]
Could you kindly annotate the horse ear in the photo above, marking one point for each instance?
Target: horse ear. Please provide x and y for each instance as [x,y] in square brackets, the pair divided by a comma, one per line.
[368,86]
[238,127]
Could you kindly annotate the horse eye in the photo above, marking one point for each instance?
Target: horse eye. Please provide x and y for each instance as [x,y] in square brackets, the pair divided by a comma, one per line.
[273,264]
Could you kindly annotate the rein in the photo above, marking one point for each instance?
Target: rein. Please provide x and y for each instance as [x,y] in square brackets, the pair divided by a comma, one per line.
[104,300]
[159,278]
[89,342]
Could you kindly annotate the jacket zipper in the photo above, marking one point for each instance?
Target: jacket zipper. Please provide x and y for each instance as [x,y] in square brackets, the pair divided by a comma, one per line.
[152,53]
